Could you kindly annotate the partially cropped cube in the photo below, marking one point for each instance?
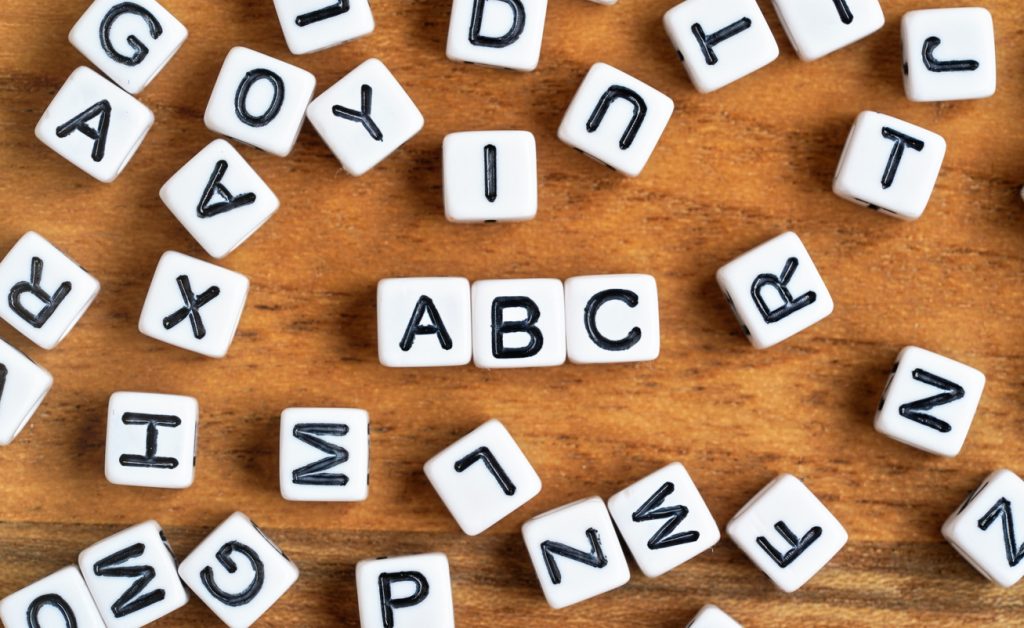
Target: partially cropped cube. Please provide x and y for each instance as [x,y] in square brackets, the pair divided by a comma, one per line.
[219,198]
[787,532]
[948,54]
[982,530]
[817,28]
[151,440]
[405,591]
[314,25]
[259,100]
[325,454]
[238,572]
[483,477]
[46,291]
[889,165]
[499,33]
[94,124]
[490,176]
[710,616]
[128,41]
[775,290]
[616,119]
[60,599]
[575,552]
[194,305]
[23,386]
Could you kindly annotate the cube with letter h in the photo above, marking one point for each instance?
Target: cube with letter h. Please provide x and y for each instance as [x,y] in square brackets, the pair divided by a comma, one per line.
[575,552]
[483,477]
[151,440]
[983,530]
[325,454]
[616,119]
[405,592]
[775,290]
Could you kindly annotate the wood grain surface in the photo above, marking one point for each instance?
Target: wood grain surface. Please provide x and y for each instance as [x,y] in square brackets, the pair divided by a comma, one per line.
[733,169]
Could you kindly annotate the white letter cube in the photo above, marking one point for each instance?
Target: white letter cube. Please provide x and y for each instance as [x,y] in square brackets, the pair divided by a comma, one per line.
[889,165]
[94,124]
[219,198]
[984,531]
[720,42]
[710,616]
[365,117]
[128,41]
[575,552]
[663,520]
[616,119]
[238,572]
[260,101]
[23,386]
[490,176]
[775,290]
[948,54]
[60,599]
[612,318]
[313,25]
[424,321]
[325,454]
[45,291]
[930,401]
[787,532]
[518,323]
[143,552]
[194,305]
[405,592]
[483,477]
[151,440]
[498,33]
[819,27]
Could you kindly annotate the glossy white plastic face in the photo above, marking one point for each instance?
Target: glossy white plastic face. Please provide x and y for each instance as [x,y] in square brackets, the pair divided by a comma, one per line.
[405,592]
[575,552]
[94,124]
[616,119]
[130,42]
[710,616]
[60,599]
[238,572]
[483,477]
[259,100]
[314,25]
[424,321]
[23,386]
[663,520]
[787,532]
[151,440]
[194,305]
[518,323]
[985,531]
[720,42]
[46,292]
[889,165]
[817,28]
[325,454]
[142,548]
[775,290]
[612,318]
[490,176]
[497,33]
[365,117]
[219,198]
[930,401]
[948,54]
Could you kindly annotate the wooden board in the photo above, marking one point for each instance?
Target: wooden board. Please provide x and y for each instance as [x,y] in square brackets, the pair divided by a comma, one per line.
[733,169]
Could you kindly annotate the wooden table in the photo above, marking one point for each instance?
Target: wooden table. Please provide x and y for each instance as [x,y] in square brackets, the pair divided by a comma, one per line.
[733,169]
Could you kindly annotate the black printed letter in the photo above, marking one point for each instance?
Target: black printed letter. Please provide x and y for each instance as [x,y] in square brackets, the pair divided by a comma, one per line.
[242,95]
[779,284]
[797,545]
[139,50]
[651,510]
[485,456]
[363,115]
[500,327]
[57,602]
[313,473]
[228,201]
[934,65]
[639,113]
[590,319]
[491,172]
[845,14]
[708,42]
[98,135]
[192,305]
[509,38]
[1004,511]
[917,410]
[389,604]
[901,141]
[50,303]
[425,307]
[594,558]
[247,594]
[130,601]
[152,422]
[336,9]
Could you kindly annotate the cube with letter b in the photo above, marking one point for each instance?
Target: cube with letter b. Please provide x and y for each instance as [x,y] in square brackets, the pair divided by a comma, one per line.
[518,323]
